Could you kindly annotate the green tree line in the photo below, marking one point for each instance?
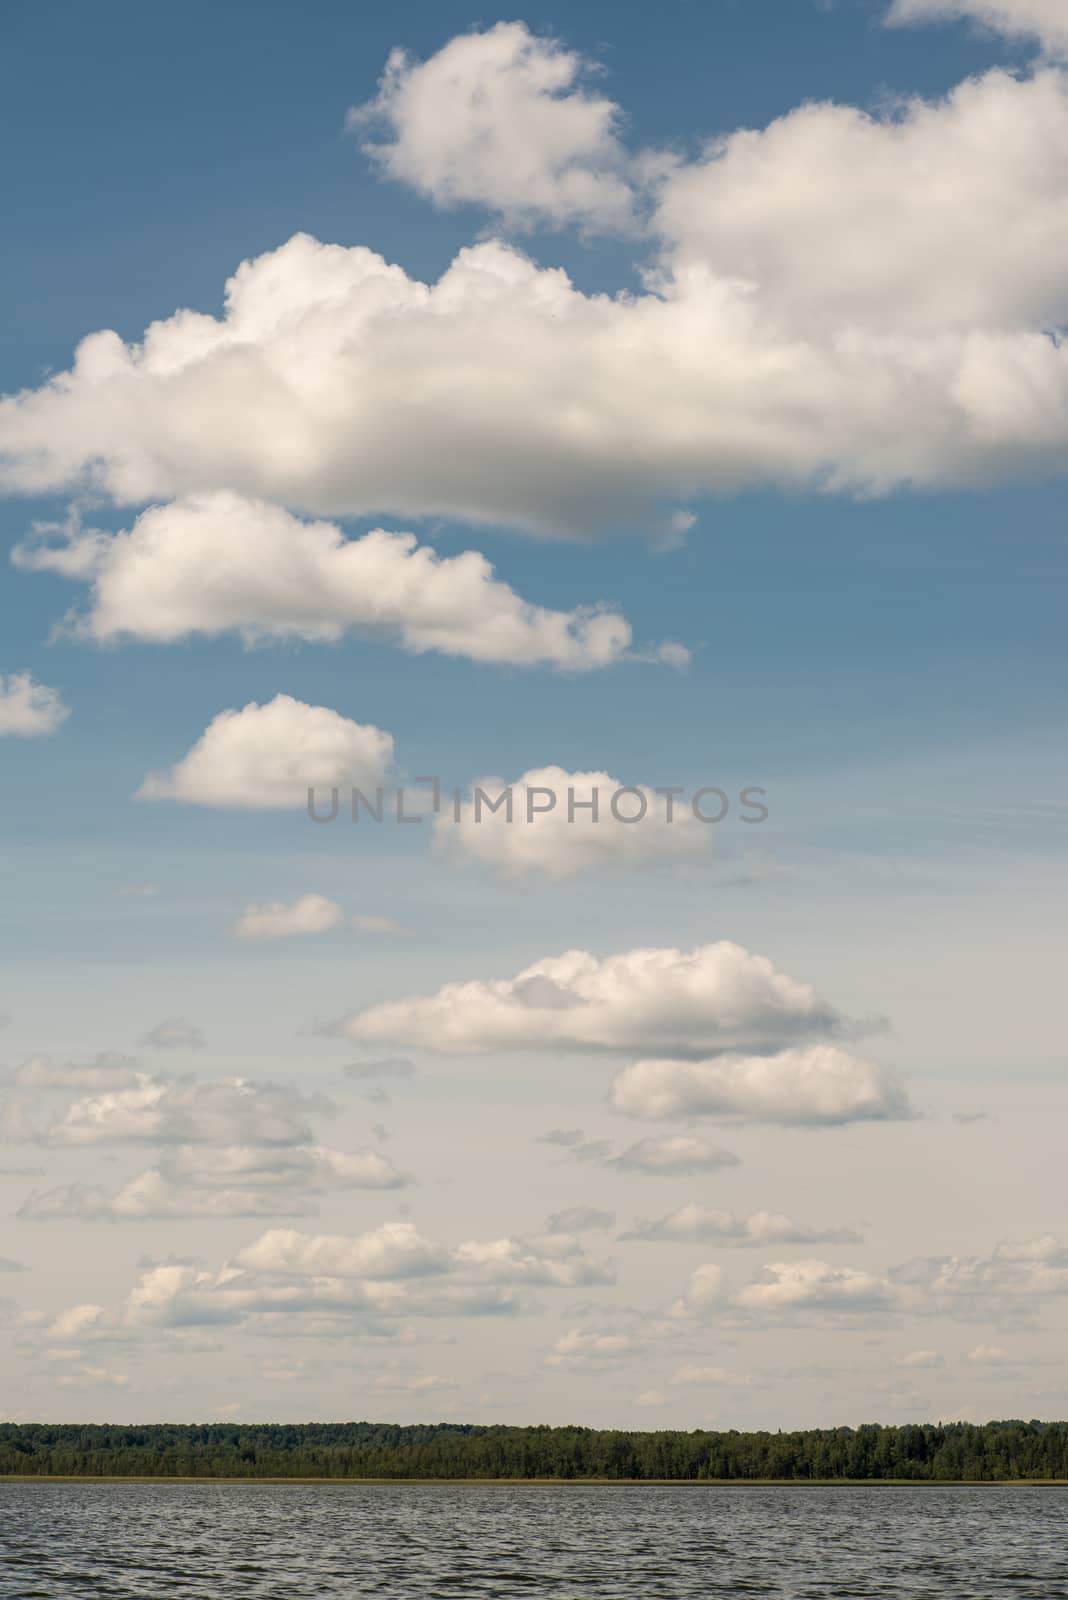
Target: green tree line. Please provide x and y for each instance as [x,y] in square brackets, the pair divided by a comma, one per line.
[924,1453]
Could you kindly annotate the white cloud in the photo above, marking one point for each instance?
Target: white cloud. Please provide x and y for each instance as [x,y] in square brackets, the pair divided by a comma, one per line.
[921,1359]
[789,1286]
[108,1070]
[422,1383]
[221,563]
[710,998]
[175,1033]
[149,1198]
[588,1347]
[694,1224]
[395,1250]
[277,919]
[1044,20]
[823,313]
[674,1156]
[694,1373]
[818,1086]
[579,1219]
[268,756]
[989,1355]
[706,1291]
[847,228]
[29,710]
[502,119]
[180,1111]
[1015,1272]
[234,1181]
[650,1399]
[542,823]
[375,1277]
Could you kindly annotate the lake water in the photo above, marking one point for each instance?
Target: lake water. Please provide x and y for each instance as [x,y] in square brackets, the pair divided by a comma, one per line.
[172,1541]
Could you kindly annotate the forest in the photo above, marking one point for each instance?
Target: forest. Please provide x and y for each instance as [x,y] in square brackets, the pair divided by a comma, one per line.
[923,1453]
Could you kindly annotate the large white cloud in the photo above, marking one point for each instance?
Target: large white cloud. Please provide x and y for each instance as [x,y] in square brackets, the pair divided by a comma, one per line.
[1045,20]
[820,1085]
[268,756]
[29,710]
[850,228]
[223,563]
[823,312]
[683,1002]
[388,1273]
[542,823]
[501,119]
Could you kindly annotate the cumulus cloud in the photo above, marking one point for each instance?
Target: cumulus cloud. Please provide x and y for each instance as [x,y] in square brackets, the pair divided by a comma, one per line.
[222,562]
[543,823]
[375,1278]
[684,1003]
[501,119]
[817,1086]
[267,757]
[279,919]
[800,1286]
[182,1111]
[694,1224]
[675,1156]
[1015,1273]
[1044,20]
[589,1347]
[29,710]
[821,313]
[175,1033]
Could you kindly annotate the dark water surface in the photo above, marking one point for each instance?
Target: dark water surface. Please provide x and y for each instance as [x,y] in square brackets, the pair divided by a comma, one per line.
[220,1540]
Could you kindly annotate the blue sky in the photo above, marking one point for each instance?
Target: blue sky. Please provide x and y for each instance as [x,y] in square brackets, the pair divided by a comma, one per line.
[885,659]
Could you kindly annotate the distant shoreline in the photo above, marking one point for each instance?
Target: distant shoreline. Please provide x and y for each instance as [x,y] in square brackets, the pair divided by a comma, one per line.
[556,1483]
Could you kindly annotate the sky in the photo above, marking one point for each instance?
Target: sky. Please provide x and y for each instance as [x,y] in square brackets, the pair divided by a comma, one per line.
[490,419]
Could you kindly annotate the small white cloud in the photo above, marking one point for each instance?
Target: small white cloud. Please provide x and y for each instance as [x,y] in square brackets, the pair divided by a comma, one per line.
[650,1399]
[675,1156]
[989,1355]
[921,1360]
[694,1224]
[558,823]
[29,710]
[279,919]
[817,1086]
[267,757]
[502,119]
[108,1070]
[175,1033]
